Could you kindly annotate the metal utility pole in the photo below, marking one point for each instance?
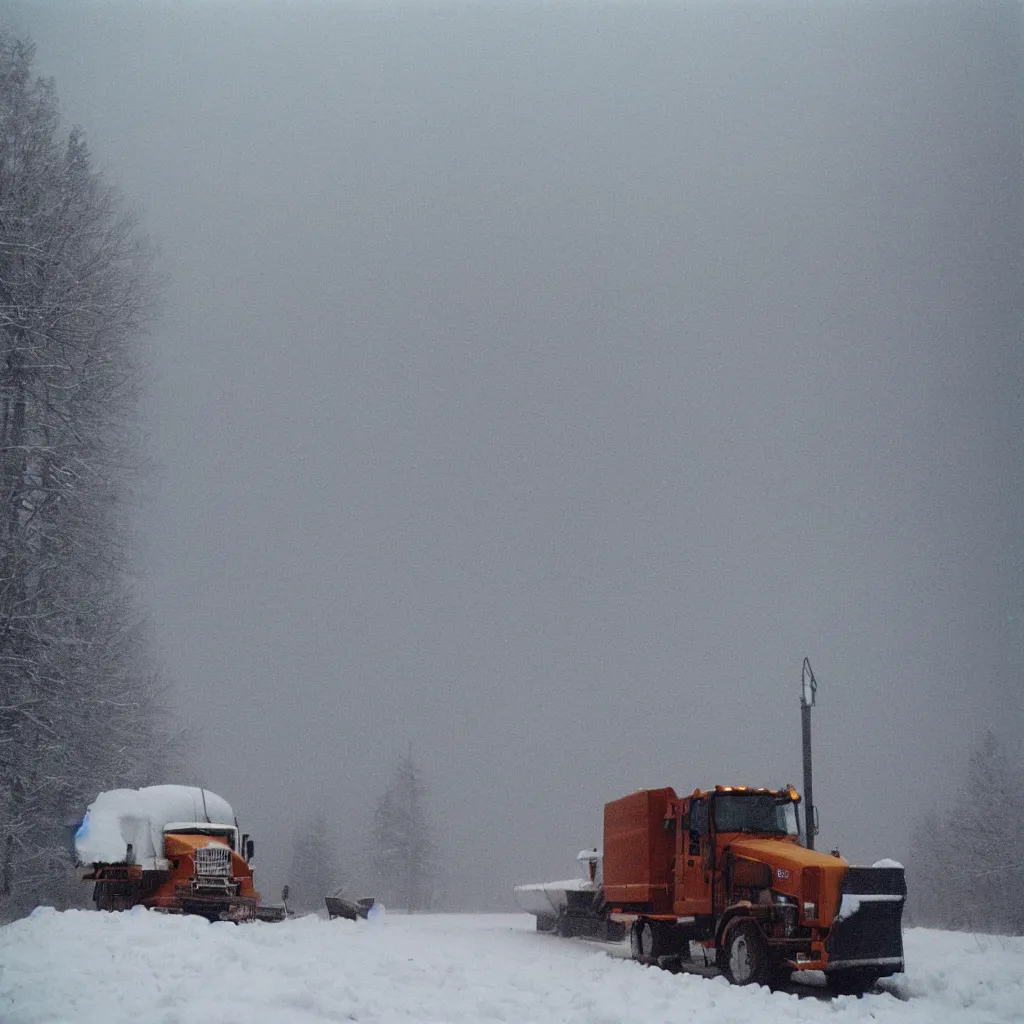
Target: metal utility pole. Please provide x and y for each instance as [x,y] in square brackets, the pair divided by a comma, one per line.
[808,689]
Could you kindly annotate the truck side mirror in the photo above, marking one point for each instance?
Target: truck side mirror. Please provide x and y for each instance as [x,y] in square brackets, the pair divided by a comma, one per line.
[250,849]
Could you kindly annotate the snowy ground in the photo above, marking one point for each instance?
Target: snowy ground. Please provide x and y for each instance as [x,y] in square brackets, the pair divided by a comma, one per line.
[94,968]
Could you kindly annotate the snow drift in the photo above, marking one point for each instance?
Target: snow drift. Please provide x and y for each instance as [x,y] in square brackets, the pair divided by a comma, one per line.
[92,968]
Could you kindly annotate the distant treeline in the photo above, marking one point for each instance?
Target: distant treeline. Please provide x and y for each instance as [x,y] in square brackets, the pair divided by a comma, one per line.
[966,869]
[80,700]
[398,862]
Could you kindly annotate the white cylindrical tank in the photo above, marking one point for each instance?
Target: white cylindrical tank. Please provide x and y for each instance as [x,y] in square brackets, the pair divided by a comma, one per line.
[119,818]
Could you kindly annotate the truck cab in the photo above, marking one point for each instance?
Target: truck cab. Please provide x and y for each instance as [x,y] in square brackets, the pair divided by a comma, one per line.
[208,875]
[724,867]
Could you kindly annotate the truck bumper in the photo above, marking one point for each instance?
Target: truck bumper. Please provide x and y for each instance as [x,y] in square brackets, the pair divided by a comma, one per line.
[213,908]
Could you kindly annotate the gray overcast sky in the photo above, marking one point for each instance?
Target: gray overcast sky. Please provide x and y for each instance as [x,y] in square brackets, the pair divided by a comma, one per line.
[540,383]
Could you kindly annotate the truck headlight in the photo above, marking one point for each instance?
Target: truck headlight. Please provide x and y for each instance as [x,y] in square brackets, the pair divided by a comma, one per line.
[810,911]
[787,911]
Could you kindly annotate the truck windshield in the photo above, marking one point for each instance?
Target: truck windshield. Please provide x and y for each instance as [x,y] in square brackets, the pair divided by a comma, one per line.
[200,829]
[762,813]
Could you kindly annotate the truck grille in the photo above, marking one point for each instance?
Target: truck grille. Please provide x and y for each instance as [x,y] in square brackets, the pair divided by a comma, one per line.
[213,860]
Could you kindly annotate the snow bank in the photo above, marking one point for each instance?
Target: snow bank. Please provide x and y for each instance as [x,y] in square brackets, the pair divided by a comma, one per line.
[120,817]
[92,968]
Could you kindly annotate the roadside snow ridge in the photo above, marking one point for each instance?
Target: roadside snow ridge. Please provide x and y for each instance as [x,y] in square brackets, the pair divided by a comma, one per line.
[92,968]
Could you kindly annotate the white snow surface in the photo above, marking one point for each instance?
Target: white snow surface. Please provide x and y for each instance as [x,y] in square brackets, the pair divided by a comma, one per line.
[95,968]
[118,817]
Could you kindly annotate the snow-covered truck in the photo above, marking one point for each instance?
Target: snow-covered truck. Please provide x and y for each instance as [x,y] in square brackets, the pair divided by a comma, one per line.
[724,868]
[175,849]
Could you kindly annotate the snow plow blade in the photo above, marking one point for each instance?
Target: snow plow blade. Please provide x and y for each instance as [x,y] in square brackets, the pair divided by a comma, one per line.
[213,908]
[270,914]
[351,910]
[867,934]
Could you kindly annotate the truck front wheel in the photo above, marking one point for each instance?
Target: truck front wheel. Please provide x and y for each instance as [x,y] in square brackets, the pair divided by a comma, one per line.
[744,956]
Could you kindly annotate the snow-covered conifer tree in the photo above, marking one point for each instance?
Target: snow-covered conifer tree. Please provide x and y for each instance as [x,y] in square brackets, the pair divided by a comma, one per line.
[80,705]
[966,871]
[402,844]
[314,872]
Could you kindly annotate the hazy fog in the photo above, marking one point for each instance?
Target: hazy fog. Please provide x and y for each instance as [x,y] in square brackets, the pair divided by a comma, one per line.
[538,384]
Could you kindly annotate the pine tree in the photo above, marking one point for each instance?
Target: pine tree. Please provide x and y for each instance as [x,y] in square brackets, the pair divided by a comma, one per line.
[80,701]
[986,835]
[930,846]
[965,869]
[314,872]
[402,844]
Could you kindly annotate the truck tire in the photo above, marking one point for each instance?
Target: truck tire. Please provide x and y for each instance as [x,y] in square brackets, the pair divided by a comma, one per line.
[745,957]
[545,924]
[114,894]
[634,940]
[647,940]
[650,939]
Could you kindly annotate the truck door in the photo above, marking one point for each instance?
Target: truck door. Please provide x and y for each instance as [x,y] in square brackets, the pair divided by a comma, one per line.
[693,893]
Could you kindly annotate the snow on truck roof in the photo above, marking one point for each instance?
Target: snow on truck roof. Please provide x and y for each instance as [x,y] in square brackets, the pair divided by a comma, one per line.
[137,817]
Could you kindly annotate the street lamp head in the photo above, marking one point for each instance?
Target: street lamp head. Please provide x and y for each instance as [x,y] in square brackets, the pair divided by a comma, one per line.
[808,685]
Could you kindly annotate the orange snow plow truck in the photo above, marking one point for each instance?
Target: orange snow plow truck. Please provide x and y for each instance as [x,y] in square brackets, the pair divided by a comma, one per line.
[724,868]
[174,849]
